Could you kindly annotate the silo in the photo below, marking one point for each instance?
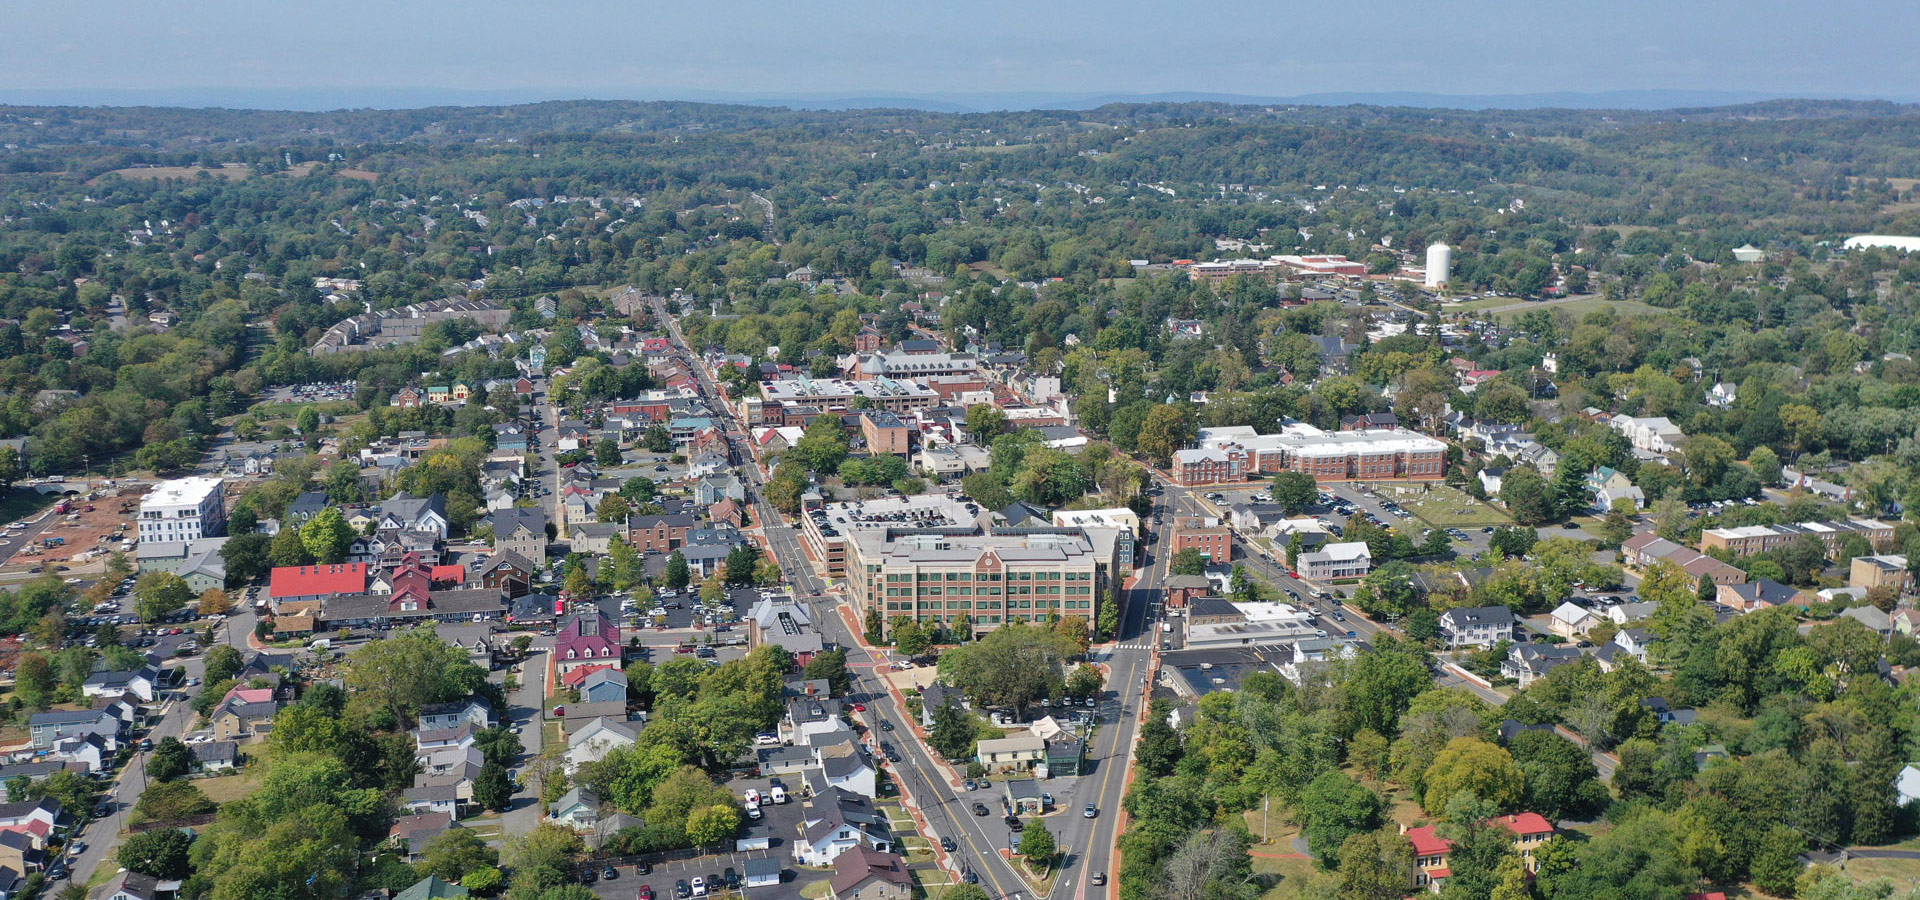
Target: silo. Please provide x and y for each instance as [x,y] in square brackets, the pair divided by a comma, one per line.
[1439,264]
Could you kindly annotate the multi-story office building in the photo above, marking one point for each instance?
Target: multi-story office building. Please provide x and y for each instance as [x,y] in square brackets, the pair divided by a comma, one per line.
[1372,454]
[184,509]
[991,579]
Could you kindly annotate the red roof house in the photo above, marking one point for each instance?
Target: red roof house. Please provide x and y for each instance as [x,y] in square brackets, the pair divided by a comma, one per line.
[293,583]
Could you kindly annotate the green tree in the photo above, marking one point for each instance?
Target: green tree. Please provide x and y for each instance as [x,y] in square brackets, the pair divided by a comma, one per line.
[34,680]
[657,439]
[910,638]
[1468,765]
[606,452]
[170,760]
[985,422]
[484,882]
[493,788]
[1168,428]
[1527,496]
[1777,866]
[831,665]
[161,853]
[246,556]
[1332,808]
[712,824]
[221,662]
[455,853]
[327,536]
[288,549]
[1188,562]
[1037,844]
[158,594]
[952,732]
[1295,491]
[612,508]
[677,574]
[823,446]
[1375,866]
[169,801]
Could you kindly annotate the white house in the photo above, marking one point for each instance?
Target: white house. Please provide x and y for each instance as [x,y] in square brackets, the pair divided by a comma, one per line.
[1571,620]
[1345,560]
[143,682]
[1653,434]
[1476,626]
[592,742]
[1907,785]
[837,821]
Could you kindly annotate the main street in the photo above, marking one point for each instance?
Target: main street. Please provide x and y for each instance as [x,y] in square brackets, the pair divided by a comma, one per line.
[1087,844]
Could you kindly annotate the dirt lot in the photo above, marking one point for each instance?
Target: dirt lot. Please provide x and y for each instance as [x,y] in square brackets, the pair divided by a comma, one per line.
[85,530]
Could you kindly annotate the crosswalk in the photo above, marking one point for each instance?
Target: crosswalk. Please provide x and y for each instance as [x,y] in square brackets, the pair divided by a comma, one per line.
[1143,642]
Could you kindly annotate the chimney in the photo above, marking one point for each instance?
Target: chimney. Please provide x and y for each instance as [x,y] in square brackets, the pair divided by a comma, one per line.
[1403,828]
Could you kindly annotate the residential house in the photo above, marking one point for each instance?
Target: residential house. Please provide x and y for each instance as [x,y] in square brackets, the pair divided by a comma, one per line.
[130,885]
[577,809]
[586,638]
[1431,851]
[837,760]
[598,738]
[509,573]
[1527,663]
[439,799]
[837,821]
[143,682]
[523,532]
[475,711]
[808,716]
[1876,621]
[1477,626]
[406,512]
[1571,620]
[1336,562]
[1636,642]
[431,888]
[216,756]
[47,727]
[607,685]
[1017,753]
[863,874]
[1623,613]
[244,714]
[1887,570]
[1755,595]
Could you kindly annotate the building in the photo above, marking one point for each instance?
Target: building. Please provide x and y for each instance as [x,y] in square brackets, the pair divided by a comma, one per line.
[1527,663]
[297,584]
[1336,562]
[885,433]
[862,874]
[989,579]
[828,394]
[1875,571]
[1649,434]
[1750,539]
[1366,454]
[1020,752]
[184,509]
[522,531]
[1431,851]
[1571,620]
[586,638]
[1476,626]
[1643,550]
[837,821]
[1206,534]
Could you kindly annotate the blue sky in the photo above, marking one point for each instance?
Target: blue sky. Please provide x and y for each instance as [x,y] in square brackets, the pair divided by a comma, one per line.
[769,48]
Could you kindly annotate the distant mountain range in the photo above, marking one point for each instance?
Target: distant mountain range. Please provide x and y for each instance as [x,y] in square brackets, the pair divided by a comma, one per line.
[316,99]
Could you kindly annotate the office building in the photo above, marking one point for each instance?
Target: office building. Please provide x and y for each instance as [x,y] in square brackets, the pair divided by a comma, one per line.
[184,509]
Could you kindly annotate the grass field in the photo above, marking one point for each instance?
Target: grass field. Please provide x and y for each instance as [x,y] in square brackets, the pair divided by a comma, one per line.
[1288,877]
[1442,506]
[1480,304]
[1579,308]
[160,173]
[227,788]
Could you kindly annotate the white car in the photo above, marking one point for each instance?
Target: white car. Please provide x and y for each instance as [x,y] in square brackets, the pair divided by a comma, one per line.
[699,886]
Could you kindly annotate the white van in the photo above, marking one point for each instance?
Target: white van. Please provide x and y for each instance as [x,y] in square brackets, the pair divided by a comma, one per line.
[778,793]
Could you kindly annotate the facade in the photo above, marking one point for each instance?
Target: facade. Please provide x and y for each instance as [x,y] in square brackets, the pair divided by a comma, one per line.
[184,509]
[1017,753]
[586,638]
[1477,626]
[522,531]
[1336,562]
[1751,539]
[990,579]
[1365,454]
[885,433]
[1874,571]
[1206,534]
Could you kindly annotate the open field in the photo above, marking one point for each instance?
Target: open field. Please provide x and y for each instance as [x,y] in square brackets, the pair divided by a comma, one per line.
[1584,305]
[1442,506]
[162,173]
[227,788]
[1289,876]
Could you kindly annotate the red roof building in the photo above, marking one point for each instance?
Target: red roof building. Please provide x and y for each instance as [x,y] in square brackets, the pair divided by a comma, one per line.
[454,574]
[295,583]
[1430,850]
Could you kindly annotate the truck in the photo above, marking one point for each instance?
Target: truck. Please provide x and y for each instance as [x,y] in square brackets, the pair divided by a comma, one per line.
[63,507]
[53,541]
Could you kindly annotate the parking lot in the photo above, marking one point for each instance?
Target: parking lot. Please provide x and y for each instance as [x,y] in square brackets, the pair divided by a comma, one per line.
[778,825]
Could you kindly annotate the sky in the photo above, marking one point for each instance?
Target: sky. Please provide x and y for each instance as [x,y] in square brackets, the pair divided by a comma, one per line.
[362,53]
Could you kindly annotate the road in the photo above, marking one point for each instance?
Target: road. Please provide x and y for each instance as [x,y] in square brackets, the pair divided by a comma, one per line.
[1087,844]
[524,708]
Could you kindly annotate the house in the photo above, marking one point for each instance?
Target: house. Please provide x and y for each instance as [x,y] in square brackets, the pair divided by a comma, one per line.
[431,888]
[1527,663]
[1491,480]
[1431,851]
[216,756]
[243,714]
[604,686]
[713,489]
[131,885]
[1019,752]
[1336,562]
[1477,626]
[1754,595]
[47,727]
[412,832]
[298,584]
[1667,714]
[862,874]
[432,799]
[839,761]
[508,572]
[585,638]
[1622,613]
[1635,642]
[475,711]
[143,682]
[1876,621]
[837,821]
[597,738]
[1571,620]
[1907,784]
[934,697]
[808,716]
[522,531]
[577,809]
[406,512]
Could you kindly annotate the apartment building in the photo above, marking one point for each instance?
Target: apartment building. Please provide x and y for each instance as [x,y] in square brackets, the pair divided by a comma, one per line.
[1750,539]
[183,509]
[1873,571]
[992,579]
[885,433]
[1366,454]
[1206,534]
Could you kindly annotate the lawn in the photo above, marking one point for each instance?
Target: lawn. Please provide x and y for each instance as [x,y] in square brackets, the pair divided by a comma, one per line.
[1442,506]
[1579,308]
[227,788]
[1287,877]
[815,890]
[1900,871]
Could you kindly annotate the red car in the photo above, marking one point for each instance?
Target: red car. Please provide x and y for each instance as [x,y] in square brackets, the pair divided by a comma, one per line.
[646,892]
[859,707]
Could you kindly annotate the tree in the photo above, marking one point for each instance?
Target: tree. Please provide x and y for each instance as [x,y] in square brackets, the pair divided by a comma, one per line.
[214,602]
[910,638]
[1332,808]
[493,788]
[484,882]
[1560,778]
[639,489]
[158,594]
[1188,562]
[677,573]
[1013,666]
[1295,491]
[823,446]
[288,549]
[830,665]
[1513,543]
[606,452]
[1527,496]
[1776,866]
[34,680]
[221,661]
[1375,866]
[409,669]
[543,857]
[1085,681]
[456,852]
[1468,765]
[952,732]
[169,801]
[246,556]
[612,508]
[873,627]
[1037,844]
[170,760]
[712,824]
[1167,429]
[741,563]
[985,422]
[657,439]
[161,853]
[1765,465]
[327,536]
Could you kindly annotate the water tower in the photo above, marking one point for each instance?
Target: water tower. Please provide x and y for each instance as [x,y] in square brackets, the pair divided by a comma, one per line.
[1439,265]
